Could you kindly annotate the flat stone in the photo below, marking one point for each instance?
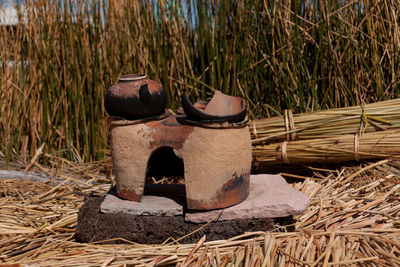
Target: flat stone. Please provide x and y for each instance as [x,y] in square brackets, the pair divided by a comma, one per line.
[150,205]
[270,197]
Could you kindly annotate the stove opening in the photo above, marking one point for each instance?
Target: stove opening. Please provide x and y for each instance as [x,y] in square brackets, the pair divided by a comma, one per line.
[165,175]
[165,163]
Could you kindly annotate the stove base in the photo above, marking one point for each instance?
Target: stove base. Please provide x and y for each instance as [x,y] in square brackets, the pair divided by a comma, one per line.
[95,226]
[271,203]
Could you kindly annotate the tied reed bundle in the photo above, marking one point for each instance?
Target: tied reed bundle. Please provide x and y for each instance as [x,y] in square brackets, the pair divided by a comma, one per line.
[375,145]
[368,118]
[353,133]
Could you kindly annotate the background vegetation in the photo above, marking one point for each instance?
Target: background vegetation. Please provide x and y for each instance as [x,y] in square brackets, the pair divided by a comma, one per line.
[57,63]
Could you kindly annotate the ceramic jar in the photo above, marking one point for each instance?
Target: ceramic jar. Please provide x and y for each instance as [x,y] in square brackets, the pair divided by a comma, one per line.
[135,97]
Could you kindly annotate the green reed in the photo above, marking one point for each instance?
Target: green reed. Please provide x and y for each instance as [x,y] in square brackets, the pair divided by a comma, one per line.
[58,62]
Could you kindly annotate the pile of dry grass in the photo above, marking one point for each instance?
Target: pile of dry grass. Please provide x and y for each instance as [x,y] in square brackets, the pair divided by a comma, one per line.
[353,218]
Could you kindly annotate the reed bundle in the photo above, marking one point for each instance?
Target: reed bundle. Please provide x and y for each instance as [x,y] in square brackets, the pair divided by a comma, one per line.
[385,144]
[348,222]
[369,118]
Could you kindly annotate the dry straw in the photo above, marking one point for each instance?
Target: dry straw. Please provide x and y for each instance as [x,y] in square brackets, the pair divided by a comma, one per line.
[348,222]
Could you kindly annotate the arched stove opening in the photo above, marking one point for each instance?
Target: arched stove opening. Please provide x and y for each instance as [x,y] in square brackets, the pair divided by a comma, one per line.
[165,175]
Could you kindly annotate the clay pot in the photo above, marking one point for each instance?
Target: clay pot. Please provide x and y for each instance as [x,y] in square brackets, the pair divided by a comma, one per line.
[135,97]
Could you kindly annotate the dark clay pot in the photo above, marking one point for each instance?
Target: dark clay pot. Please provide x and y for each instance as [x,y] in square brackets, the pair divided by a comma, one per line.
[135,97]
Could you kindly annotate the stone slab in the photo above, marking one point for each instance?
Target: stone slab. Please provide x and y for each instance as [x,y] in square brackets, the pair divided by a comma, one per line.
[150,205]
[270,197]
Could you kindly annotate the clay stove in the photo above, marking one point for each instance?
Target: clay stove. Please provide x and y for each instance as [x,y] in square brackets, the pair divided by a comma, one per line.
[212,138]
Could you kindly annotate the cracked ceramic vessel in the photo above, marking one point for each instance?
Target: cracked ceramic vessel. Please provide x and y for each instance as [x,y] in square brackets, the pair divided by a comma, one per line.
[215,147]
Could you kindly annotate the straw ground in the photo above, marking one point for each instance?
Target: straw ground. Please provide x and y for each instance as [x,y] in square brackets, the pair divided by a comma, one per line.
[353,219]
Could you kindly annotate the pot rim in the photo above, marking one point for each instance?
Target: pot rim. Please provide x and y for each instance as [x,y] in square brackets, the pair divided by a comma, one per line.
[132,77]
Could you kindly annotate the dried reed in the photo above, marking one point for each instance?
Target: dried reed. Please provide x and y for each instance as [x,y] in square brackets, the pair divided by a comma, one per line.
[379,116]
[56,64]
[348,222]
[375,145]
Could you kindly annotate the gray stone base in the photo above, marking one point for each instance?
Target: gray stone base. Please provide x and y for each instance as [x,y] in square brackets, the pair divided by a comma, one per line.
[270,197]
[150,205]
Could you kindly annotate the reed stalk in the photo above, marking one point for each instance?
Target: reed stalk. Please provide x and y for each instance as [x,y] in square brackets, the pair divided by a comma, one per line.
[57,63]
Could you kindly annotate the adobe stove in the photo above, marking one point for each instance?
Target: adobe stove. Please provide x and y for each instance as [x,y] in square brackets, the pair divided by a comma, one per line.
[212,138]
[210,141]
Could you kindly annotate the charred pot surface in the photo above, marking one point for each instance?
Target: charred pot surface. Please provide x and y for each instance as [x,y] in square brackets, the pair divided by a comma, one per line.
[135,97]
[232,193]
[129,195]
[221,108]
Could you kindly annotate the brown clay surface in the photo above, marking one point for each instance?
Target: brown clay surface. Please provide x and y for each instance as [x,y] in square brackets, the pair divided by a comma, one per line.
[217,162]
[96,226]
